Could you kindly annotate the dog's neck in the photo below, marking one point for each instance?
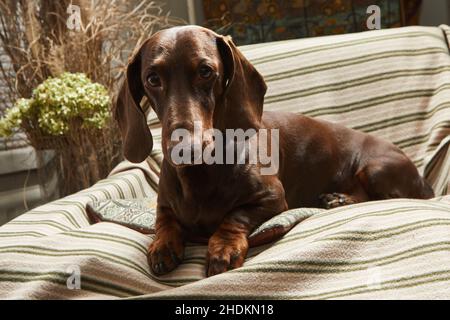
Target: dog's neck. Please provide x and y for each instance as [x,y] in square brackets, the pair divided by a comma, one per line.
[201,183]
[206,176]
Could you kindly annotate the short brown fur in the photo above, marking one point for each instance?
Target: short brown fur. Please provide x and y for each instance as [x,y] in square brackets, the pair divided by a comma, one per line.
[322,164]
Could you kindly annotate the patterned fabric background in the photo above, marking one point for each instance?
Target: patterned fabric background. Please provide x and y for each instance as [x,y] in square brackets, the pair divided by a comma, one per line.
[249,21]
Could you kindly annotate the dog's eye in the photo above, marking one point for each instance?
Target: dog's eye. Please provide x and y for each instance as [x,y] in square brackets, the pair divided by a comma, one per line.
[153,79]
[205,72]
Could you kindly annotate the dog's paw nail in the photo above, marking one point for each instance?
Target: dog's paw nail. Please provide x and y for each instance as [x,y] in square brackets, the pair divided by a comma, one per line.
[217,266]
[175,258]
[334,200]
[234,257]
[225,259]
[163,257]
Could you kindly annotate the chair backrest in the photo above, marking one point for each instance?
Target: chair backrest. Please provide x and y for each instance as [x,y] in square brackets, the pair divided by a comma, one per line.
[392,83]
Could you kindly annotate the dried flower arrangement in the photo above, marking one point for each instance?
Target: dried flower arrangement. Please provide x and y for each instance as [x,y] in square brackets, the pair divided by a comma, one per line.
[68,113]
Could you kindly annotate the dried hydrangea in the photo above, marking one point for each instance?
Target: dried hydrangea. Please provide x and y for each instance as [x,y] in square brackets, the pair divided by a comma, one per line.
[13,117]
[58,101]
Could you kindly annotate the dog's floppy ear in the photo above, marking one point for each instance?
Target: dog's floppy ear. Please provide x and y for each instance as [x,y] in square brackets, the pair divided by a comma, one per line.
[243,87]
[136,137]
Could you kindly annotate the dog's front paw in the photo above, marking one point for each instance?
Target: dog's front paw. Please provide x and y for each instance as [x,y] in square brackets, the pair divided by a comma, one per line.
[225,254]
[334,200]
[164,255]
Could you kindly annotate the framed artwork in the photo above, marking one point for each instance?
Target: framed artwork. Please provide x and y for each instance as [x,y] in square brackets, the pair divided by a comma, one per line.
[249,21]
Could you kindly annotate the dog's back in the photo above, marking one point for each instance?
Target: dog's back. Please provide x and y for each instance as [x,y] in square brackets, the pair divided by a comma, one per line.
[333,158]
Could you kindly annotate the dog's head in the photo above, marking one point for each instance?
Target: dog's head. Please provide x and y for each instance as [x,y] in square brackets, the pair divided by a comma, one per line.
[189,75]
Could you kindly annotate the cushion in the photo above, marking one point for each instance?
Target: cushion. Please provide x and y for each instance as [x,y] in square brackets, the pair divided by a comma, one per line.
[140,215]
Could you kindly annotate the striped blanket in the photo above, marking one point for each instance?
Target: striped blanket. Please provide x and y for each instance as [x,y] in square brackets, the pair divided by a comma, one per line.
[392,83]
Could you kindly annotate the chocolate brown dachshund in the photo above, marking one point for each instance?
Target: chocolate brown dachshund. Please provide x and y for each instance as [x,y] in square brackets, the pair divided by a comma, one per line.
[192,74]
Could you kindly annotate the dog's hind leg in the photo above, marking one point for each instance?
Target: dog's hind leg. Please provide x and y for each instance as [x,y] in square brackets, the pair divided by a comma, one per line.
[383,178]
[352,195]
[393,177]
[388,177]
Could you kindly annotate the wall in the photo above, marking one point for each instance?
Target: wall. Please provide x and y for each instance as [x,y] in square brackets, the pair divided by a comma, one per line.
[179,8]
[435,12]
